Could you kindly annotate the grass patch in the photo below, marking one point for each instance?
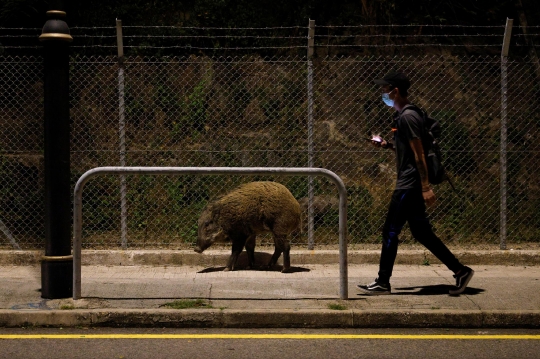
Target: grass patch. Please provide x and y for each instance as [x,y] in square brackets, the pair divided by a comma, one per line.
[335,306]
[187,304]
[67,307]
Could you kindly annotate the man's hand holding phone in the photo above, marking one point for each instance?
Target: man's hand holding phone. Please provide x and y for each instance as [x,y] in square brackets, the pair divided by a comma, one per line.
[377,141]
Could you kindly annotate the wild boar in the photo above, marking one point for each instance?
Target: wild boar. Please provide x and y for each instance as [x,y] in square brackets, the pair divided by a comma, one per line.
[251,209]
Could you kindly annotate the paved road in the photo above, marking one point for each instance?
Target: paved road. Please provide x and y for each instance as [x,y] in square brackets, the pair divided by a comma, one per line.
[260,344]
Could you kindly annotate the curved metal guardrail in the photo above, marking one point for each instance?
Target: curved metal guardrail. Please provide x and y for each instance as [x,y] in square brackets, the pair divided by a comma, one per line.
[78,191]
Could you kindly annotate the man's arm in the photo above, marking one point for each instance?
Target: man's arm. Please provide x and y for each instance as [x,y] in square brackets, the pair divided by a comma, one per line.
[418,150]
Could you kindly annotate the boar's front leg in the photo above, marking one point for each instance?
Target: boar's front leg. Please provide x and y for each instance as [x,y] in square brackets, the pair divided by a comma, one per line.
[250,249]
[237,247]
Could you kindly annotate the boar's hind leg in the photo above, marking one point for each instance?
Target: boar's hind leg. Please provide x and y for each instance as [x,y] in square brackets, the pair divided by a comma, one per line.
[282,245]
[237,247]
[286,256]
[275,257]
[250,249]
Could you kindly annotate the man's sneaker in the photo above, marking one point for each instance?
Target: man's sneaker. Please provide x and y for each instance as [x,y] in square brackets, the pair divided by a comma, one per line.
[462,280]
[375,288]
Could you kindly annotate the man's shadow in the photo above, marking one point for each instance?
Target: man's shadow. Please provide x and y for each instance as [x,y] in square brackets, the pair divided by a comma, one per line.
[261,259]
[437,289]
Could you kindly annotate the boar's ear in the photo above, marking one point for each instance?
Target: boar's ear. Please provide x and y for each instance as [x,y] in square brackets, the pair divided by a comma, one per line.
[215,213]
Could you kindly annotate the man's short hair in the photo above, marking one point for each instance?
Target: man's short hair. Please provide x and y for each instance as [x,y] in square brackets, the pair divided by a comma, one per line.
[396,79]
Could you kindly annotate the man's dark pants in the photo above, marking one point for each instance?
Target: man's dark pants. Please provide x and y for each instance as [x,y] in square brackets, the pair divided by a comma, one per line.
[407,205]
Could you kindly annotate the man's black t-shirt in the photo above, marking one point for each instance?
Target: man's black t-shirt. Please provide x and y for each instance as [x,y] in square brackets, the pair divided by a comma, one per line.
[408,125]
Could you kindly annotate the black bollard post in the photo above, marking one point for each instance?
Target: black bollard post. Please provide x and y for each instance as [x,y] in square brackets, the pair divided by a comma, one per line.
[57,263]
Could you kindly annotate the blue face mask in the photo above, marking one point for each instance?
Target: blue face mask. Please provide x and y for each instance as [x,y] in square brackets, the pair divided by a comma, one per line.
[386,98]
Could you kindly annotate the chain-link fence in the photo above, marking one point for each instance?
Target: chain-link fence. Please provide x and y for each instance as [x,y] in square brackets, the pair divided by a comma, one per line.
[21,152]
[253,111]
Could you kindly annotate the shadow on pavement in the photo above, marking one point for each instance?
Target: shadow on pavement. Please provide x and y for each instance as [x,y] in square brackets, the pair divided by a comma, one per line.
[438,289]
[274,269]
[260,258]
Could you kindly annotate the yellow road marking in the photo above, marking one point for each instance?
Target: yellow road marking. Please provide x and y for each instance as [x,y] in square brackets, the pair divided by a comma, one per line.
[272,336]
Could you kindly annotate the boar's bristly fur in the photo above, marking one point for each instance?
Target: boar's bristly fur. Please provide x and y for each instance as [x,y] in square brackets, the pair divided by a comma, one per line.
[249,210]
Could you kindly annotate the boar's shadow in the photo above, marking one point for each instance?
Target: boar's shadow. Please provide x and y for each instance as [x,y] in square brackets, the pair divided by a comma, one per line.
[261,259]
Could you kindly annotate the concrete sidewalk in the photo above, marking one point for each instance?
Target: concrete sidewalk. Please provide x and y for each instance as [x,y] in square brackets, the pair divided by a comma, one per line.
[131,288]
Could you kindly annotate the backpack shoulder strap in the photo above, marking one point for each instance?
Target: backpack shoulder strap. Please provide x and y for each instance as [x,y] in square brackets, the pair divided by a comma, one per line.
[427,122]
[432,126]
[411,107]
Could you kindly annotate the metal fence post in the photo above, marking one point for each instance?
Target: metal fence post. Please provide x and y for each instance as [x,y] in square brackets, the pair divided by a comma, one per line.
[57,263]
[122,133]
[503,149]
[311,44]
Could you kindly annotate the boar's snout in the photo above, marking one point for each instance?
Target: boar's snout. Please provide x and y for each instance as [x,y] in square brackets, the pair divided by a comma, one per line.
[198,249]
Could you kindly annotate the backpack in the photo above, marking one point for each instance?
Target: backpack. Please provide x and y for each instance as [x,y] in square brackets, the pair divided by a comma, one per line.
[432,150]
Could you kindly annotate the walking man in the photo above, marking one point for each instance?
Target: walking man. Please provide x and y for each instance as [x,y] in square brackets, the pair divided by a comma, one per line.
[412,192]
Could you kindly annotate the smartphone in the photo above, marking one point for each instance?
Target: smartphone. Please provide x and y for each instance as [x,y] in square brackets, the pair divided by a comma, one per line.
[373,139]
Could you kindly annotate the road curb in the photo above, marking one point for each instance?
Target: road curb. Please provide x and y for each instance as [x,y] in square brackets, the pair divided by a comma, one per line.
[214,318]
[298,257]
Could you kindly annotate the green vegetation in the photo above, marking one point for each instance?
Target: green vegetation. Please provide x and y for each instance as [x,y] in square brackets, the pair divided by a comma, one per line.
[336,306]
[188,304]
[266,13]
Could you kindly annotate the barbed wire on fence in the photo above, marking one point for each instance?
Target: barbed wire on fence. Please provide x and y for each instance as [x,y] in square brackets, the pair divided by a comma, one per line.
[443,26]
[410,25]
[95,46]
[19,36]
[21,28]
[435,45]
[210,37]
[21,47]
[92,28]
[216,28]
[189,47]
[407,36]
[198,39]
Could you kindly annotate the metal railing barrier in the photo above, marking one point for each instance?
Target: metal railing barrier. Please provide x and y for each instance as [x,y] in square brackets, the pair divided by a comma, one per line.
[78,191]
